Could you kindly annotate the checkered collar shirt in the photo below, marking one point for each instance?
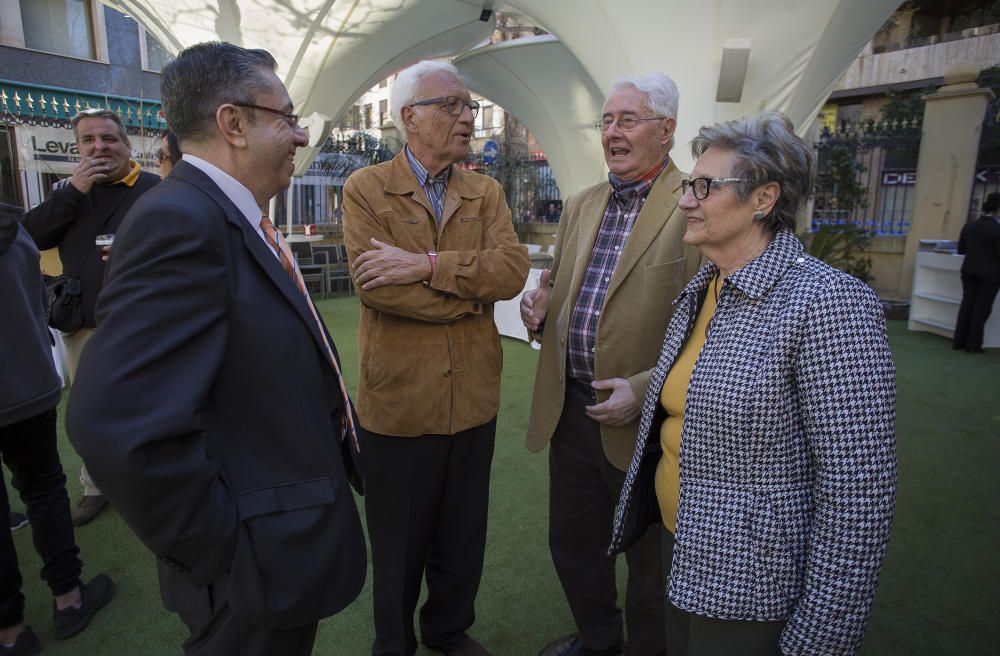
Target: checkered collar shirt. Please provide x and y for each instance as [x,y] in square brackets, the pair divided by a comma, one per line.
[435,187]
[627,199]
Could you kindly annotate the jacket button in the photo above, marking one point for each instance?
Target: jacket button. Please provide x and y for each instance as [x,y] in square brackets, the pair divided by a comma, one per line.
[447,373]
[767,552]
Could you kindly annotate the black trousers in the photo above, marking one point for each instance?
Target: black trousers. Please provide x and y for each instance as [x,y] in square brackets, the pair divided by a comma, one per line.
[583,493]
[28,449]
[978,293]
[690,634]
[215,631]
[426,503]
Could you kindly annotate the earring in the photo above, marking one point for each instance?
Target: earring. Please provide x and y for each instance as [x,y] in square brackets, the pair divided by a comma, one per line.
[758,216]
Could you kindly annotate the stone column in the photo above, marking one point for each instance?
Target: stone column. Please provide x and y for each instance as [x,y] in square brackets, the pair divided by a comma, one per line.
[949,146]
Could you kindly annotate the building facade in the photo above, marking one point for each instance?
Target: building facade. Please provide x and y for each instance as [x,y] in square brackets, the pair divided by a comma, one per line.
[868,134]
[56,58]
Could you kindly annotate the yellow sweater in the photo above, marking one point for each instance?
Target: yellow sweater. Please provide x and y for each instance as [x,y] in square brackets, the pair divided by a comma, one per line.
[673,398]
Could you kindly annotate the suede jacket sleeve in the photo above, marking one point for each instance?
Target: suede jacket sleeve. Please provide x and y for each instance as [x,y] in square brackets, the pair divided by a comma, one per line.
[467,274]
[495,270]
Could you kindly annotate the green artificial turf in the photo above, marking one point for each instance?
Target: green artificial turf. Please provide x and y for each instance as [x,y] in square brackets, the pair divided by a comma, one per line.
[939,591]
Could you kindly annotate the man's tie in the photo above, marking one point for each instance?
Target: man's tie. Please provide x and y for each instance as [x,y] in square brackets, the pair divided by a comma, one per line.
[287,261]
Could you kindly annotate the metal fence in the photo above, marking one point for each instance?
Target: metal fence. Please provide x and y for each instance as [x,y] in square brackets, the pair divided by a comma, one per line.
[527,181]
[987,179]
[316,197]
[867,172]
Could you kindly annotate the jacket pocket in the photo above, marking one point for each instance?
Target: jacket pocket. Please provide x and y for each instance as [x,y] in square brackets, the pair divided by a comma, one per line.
[658,278]
[779,536]
[273,578]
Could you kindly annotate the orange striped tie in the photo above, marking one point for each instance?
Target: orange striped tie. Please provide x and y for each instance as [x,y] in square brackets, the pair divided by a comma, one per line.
[287,261]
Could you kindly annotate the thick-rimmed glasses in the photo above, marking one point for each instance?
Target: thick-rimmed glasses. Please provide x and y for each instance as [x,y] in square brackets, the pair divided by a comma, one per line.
[454,105]
[291,119]
[701,186]
[624,123]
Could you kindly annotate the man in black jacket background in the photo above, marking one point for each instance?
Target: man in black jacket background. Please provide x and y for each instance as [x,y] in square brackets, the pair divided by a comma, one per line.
[980,243]
[93,201]
[29,393]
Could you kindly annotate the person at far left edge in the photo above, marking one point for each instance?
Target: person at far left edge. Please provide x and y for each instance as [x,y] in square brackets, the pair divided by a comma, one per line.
[93,201]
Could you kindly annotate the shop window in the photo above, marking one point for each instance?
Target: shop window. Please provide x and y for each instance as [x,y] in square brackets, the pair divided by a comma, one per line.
[154,56]
[64,27]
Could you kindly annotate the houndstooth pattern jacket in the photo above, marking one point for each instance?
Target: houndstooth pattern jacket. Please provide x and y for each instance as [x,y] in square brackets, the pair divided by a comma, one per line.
[788,462]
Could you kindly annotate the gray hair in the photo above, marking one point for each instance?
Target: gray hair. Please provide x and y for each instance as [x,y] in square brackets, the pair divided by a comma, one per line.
[661,93]
[205,76]
[99,112]
[407,84]
[767,150]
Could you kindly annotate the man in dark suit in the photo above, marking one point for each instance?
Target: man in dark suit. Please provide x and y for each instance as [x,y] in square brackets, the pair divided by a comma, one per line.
[212,413]
[93,201]
[980,243]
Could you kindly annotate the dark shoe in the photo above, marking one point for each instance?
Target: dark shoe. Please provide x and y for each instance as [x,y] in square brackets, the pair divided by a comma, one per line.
[17,521]
[468,648]
[93,596]
[87,508]
[974,350]
[571,646]
[26,645]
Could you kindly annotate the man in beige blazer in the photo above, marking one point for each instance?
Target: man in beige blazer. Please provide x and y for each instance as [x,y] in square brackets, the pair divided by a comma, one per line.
[601,313]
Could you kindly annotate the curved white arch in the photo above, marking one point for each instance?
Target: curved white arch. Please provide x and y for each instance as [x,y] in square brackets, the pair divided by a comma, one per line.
[331,51]
[797,49]
[559,109]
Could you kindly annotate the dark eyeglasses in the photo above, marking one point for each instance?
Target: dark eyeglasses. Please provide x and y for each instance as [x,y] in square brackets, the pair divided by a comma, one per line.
[624,123]
[701,186]
[454,105]
[291,119]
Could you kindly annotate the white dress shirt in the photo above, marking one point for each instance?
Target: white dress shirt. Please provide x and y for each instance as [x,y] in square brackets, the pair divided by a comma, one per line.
[235,191]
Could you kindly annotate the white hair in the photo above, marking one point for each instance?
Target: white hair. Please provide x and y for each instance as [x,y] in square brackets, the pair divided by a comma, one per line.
[407,84]
[661,93]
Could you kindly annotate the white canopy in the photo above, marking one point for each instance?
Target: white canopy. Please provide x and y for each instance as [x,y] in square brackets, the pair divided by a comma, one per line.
[331,51]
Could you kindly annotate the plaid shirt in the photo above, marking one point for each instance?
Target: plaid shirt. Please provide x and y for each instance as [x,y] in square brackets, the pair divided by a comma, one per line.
[627,199]
[435,187]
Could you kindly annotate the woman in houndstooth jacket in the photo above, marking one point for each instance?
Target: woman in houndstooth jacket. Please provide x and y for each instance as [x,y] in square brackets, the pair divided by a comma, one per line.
[767,439]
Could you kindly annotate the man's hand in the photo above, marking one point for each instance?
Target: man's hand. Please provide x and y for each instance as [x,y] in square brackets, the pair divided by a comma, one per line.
[620,409]
[535,304]
[89,171]
[389,265]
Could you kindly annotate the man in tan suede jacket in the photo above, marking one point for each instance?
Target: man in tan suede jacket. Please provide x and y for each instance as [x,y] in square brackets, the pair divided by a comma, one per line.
[432,248]
[602,312]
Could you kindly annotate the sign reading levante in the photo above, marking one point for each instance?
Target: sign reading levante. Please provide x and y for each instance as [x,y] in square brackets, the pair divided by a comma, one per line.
[49,149]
